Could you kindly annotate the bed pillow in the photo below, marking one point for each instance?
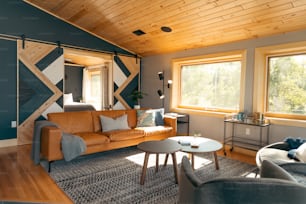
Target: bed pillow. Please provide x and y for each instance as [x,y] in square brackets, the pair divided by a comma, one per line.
[119,123]
[68,98]
[300,153]
[145,118]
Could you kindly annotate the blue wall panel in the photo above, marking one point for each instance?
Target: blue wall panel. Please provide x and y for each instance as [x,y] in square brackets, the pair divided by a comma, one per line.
[8,89]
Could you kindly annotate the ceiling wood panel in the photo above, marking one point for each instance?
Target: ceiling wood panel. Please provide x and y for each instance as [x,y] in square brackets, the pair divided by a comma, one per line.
[194,23]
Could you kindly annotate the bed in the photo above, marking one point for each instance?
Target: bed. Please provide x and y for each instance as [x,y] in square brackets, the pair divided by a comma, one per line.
[70,105]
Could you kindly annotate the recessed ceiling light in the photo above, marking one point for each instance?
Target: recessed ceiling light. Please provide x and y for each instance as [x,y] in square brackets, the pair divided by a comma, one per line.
[138,32]
[166,29]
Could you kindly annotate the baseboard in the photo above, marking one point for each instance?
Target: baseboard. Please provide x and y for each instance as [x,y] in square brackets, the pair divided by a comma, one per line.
[8,143]
[241,150]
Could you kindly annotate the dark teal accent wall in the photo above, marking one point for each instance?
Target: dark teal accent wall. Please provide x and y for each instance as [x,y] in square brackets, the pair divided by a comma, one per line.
[74,81]
[8,89]
[18,18]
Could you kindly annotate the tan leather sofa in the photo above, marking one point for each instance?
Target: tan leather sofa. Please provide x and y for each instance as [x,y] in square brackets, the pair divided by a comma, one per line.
[87,125]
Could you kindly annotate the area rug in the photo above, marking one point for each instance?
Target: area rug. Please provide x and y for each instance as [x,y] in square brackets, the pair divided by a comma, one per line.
[114,176]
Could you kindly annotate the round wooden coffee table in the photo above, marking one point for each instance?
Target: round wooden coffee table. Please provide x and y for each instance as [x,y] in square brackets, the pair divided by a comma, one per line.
[202,145]
[159,147]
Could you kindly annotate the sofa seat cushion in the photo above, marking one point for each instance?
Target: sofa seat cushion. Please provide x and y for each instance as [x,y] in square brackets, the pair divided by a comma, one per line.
[91,138]
[120,135]
[277,156]
[155,130]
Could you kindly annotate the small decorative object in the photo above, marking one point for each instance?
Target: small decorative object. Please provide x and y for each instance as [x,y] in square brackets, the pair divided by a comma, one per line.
[240,116]
[195,141]
[136,97]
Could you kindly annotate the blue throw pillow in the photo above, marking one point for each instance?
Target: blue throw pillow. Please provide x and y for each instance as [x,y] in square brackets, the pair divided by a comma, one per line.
[158,115]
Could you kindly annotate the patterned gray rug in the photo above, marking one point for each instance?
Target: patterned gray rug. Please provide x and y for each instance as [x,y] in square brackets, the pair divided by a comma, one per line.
[114,176]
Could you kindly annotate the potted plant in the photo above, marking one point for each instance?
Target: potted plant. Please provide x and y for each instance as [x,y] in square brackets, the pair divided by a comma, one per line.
[136,97]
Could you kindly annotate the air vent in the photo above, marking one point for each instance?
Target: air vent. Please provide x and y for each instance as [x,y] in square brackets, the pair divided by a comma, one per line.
[138,32]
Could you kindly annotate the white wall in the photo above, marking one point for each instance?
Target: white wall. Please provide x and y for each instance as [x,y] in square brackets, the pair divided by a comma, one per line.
[213,127]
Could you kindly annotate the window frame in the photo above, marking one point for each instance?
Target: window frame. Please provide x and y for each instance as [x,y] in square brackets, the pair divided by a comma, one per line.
[261,74]
[175,103]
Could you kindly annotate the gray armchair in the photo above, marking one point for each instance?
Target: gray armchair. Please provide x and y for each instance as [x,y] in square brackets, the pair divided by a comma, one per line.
[275,152]
[279,187]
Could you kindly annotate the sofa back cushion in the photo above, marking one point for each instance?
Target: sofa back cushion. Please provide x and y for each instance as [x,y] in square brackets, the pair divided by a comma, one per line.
[131,117]
[73,122]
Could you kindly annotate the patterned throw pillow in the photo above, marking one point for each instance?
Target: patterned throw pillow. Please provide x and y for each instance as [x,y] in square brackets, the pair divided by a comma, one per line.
[145,118]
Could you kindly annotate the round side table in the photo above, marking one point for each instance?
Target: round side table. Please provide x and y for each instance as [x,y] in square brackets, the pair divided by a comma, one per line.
[159,147]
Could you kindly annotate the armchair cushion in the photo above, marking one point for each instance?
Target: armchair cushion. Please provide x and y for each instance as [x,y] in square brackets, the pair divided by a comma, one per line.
[271,170]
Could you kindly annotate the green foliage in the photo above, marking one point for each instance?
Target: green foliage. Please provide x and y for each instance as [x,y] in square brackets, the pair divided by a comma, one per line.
[287,84]
[212,85]
[137,96]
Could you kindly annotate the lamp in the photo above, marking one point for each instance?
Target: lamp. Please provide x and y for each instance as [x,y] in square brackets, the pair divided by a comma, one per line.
[161,94]
[169,83]
[161,75]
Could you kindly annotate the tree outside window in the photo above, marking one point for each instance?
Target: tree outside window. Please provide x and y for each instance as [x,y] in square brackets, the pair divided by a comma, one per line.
[287,84]
[211,85]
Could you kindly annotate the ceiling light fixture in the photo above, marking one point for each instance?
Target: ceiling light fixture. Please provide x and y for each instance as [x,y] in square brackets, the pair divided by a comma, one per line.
[166,29]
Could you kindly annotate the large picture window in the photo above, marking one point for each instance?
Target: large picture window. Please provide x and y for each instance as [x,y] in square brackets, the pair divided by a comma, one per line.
[286,85]
[279,83]
[209,83]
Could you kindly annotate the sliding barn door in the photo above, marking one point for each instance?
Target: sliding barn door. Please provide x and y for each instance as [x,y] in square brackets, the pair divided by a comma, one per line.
[126,72]
[40,85]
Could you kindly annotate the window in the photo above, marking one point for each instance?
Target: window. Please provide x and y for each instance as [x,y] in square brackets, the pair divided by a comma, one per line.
[279,83]
[209,83]
[286,85]
[96,86]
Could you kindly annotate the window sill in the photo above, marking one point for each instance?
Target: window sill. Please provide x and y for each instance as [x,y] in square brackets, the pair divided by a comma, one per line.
[287,122]
[274,121]
[200,112]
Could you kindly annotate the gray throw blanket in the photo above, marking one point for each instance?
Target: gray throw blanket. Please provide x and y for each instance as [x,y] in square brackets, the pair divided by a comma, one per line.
[72,145]
[35,154]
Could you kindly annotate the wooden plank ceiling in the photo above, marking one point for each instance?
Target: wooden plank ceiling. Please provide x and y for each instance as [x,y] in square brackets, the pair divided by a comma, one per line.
[194,23]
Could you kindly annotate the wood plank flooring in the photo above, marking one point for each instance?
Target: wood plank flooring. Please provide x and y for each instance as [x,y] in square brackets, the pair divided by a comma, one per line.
[22,180]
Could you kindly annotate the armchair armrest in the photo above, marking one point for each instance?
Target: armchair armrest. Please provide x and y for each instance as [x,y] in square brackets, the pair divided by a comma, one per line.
[172,122]
[50,145]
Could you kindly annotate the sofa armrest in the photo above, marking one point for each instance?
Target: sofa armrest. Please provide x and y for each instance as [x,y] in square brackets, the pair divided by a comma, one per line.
[172,122]
[50,144]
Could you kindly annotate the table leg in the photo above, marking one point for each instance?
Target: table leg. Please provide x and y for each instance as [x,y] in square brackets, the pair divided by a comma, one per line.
[175,167]
[144,168]
[216,160]
[192,160]
[157,160]
[166,159]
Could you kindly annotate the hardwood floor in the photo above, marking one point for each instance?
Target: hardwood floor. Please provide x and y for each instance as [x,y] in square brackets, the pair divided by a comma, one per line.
[22,180]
